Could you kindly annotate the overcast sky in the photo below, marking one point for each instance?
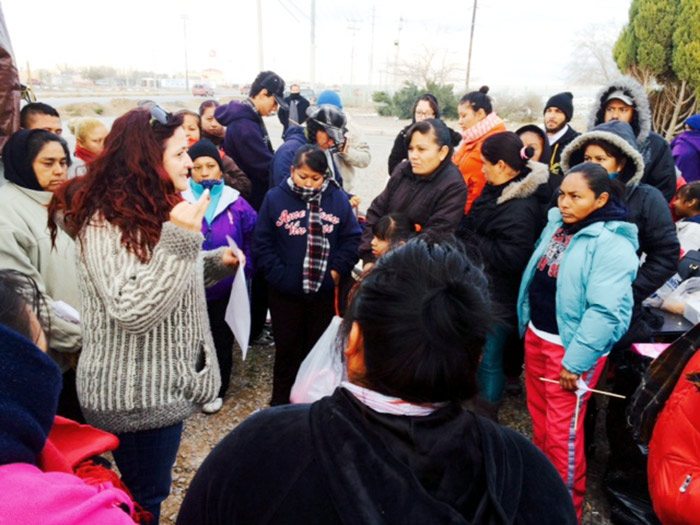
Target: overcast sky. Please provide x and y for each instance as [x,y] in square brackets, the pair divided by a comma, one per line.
[515,43]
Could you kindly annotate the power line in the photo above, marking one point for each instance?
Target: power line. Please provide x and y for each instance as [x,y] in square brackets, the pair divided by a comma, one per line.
[289,11]
[301,12]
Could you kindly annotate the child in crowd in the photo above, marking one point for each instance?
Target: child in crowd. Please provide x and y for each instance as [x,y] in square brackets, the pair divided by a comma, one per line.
[90,136]
[192,124]
[306,240]
[686,208]
[228,215]
[391,231]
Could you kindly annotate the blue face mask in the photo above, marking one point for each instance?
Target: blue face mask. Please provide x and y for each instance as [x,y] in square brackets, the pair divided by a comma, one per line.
[209,184]
[613,175]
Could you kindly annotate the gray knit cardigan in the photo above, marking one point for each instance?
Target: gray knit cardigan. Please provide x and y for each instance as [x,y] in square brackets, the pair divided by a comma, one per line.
[148,358]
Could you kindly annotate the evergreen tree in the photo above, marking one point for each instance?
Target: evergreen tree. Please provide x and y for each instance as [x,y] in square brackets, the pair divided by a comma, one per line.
[660,46]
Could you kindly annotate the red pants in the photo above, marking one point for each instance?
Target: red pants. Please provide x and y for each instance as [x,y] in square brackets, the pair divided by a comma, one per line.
[553,413]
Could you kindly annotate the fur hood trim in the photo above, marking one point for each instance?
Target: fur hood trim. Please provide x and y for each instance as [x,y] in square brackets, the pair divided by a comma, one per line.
[573,154]
[528,185]
[641,102]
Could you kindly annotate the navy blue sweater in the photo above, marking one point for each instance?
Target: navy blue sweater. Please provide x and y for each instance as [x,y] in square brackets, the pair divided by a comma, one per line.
[279,245]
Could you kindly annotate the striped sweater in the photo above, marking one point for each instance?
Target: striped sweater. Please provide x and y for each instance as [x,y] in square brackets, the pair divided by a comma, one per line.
[148,358]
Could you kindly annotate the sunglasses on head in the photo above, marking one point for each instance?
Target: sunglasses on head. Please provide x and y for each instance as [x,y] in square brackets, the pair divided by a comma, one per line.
[160,115]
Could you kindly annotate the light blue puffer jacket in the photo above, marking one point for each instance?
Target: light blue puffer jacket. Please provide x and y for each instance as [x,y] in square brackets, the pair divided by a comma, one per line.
[594,288]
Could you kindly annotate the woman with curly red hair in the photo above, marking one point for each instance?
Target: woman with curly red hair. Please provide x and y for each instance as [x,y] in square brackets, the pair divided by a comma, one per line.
[148,359]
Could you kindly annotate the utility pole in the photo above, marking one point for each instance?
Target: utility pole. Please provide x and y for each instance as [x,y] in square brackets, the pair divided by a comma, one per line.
[471,42]
[371,50]
[260,37]
[396,56]
[352,27]
[187,72]
[312,65]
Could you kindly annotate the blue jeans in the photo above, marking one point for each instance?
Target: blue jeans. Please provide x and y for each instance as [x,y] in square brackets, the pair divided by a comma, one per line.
[145,459]
[489,375]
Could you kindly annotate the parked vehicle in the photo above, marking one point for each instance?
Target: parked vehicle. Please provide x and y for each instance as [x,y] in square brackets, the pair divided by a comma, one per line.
[202,90]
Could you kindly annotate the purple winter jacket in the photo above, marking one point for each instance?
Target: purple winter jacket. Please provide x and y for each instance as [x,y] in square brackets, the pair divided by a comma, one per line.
[233,217]
[686,154]
[247,143]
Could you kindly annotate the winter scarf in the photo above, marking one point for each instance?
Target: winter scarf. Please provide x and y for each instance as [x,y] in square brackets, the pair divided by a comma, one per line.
[390,405]
[614,210]
[317,246]
[482,128]
[263,129]
[18,168]
[85,155]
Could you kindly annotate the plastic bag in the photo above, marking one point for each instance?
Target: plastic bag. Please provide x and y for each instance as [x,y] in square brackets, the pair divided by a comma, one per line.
[676,301]
[322,370]
[656,299]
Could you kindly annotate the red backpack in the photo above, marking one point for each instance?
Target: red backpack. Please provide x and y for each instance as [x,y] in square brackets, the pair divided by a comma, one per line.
[674,452]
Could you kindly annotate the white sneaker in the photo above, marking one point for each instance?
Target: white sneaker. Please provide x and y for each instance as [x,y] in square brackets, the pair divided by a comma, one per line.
[213,407]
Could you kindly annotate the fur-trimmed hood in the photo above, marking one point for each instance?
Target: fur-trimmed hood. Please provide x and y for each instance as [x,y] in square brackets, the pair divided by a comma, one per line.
[641,121]
[615,132]
[528,185]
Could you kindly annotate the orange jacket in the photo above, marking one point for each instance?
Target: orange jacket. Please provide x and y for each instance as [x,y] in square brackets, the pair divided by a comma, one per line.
[468,160]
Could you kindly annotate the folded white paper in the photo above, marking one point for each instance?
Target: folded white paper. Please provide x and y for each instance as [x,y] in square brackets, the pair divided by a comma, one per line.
[238,309]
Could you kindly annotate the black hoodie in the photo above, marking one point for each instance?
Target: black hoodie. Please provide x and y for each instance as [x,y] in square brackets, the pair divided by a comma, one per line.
[337,461]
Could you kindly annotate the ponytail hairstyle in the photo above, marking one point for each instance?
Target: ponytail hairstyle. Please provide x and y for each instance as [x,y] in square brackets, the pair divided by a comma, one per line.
[598,180]
[509,148]
[424,311]
[127,185]
[394,228]
[478,100]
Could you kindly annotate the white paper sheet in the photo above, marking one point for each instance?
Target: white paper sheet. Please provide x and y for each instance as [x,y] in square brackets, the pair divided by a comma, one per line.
[238,309]
[66,312]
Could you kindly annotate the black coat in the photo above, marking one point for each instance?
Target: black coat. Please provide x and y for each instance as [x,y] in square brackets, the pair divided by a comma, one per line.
[400,151]
[504,225]
[657,239]
[435,202]
[659,167]
[336,461]
[557,148]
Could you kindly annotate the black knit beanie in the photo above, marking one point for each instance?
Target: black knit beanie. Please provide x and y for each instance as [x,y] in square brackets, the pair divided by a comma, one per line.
[205,148]
[563,101]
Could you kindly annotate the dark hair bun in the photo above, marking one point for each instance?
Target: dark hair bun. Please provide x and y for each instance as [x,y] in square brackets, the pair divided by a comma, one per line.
[529,152]
[484,89]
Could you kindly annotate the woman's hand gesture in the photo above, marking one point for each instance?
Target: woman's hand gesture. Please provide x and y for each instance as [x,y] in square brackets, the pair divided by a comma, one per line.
[189,216]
